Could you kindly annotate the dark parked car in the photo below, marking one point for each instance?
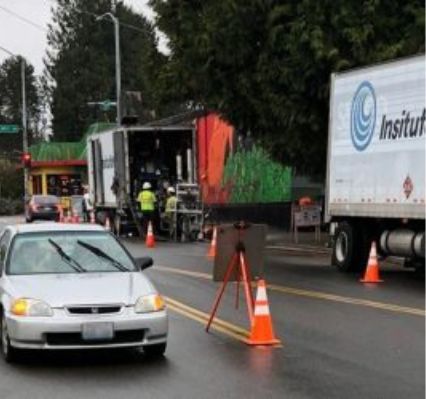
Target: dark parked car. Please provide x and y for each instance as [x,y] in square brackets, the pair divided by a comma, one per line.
[42,207]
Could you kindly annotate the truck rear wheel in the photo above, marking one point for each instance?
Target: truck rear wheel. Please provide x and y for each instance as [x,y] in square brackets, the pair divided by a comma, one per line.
[351,248]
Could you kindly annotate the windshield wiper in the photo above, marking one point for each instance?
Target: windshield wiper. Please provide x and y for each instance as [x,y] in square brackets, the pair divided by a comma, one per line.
[65,257]
[101,254]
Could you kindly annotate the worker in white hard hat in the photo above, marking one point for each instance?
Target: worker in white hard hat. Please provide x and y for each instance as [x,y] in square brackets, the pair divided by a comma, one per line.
[170,209]
[147,201]
[171,201]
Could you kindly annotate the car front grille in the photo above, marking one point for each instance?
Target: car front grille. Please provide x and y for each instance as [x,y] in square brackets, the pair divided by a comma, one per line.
[94,310]
[76,339]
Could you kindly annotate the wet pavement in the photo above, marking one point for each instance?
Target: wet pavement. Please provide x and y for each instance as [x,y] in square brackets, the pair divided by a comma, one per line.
[340,339]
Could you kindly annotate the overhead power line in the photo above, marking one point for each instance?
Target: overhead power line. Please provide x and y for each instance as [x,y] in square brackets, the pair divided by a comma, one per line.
[7,51]
[23,19]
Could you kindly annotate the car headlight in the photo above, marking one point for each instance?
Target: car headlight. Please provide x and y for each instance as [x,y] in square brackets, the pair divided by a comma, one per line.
[30,307]
[150,303]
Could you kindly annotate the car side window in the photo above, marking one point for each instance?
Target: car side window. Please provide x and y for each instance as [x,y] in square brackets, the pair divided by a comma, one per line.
[4,243]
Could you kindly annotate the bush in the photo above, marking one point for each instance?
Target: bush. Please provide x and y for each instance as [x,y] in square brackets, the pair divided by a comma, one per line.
[11,180]
[11,207]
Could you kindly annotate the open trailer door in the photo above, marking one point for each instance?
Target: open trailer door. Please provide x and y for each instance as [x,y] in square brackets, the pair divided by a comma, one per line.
[97,174]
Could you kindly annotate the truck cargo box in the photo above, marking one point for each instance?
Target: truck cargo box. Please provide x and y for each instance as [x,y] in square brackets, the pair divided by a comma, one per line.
[376,151]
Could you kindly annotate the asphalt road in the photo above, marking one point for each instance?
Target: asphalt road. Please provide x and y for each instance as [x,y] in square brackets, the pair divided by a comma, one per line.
[340,339]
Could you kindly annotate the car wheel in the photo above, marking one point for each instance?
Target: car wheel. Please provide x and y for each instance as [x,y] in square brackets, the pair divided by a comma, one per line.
[8,352]
[154,351]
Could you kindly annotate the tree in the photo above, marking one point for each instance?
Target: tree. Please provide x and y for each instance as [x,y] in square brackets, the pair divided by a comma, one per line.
[80,63]
[11,179]
[266,64]
[11,99]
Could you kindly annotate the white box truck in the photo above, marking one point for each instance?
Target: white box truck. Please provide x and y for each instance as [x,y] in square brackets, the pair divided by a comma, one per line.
[375,188]
[120,160]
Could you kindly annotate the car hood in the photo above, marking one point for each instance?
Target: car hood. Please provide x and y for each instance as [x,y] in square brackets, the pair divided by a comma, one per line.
[80,289]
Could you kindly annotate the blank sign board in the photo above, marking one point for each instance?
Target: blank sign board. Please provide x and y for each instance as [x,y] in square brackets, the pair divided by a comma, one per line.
[253,238]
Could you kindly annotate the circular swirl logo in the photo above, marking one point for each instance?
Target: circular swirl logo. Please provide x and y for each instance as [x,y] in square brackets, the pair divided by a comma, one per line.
[363,116]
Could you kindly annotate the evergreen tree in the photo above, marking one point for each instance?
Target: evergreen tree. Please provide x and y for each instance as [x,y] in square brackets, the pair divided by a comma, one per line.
[266,64]
[80,63]
[11,101]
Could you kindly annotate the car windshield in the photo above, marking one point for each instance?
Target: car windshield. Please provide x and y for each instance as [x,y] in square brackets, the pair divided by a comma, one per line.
[67,252]
[46,199]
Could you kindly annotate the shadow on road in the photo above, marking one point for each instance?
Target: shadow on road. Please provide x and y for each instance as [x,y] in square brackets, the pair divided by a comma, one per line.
[89,358]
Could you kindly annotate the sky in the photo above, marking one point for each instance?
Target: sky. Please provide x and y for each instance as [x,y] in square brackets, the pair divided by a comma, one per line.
[23,26]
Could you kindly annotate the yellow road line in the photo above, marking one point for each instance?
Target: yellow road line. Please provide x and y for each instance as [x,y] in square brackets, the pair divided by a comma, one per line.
[349,300]
[314,294]
[226,328]
[236,329]
[214,326]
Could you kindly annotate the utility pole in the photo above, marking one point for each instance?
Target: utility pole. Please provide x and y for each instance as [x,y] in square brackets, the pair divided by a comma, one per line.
[24,125]
[24,117]
[117,60]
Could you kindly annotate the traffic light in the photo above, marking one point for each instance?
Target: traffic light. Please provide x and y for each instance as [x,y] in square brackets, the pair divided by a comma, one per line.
[26,160]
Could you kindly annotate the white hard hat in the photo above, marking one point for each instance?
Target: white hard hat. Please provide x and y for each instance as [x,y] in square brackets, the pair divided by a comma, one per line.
[146,185]
[171,190]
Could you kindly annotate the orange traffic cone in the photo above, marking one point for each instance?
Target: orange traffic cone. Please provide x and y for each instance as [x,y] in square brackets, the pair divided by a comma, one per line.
[61,215]
[212,250]
[75,217]
[372,271]
[262,332]
[150,239]
[107,224]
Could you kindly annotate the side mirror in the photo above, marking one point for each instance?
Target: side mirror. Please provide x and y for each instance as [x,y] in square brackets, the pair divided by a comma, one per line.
[144,263]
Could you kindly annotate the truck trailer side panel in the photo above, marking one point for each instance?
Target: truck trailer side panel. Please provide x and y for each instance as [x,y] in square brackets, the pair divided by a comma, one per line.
[376,159]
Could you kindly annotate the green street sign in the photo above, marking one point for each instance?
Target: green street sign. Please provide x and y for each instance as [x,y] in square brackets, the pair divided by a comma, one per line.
[9,128]
[107,105]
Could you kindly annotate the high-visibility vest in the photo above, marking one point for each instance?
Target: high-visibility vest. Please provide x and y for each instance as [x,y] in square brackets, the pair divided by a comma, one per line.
[147,200]
[171,204]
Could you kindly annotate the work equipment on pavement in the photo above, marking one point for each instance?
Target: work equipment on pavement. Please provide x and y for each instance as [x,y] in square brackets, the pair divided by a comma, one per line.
[239,269]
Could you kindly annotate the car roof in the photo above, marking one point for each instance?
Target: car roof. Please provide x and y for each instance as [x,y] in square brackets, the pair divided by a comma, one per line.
[51,226]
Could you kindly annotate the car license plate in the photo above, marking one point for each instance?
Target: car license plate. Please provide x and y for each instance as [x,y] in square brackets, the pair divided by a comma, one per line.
[97,331]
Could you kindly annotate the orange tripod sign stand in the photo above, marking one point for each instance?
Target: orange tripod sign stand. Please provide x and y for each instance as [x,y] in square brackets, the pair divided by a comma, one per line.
[238,264]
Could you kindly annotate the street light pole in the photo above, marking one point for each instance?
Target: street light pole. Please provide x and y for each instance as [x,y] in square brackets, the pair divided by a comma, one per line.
[24,117]
[117,61]
[24,125]
[118,69]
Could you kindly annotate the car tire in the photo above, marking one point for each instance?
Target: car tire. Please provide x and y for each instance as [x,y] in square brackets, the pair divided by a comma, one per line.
[351,248]
[155,351]
[9,353]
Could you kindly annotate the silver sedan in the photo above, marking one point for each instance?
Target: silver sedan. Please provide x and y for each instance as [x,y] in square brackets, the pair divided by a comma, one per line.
[75,287]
